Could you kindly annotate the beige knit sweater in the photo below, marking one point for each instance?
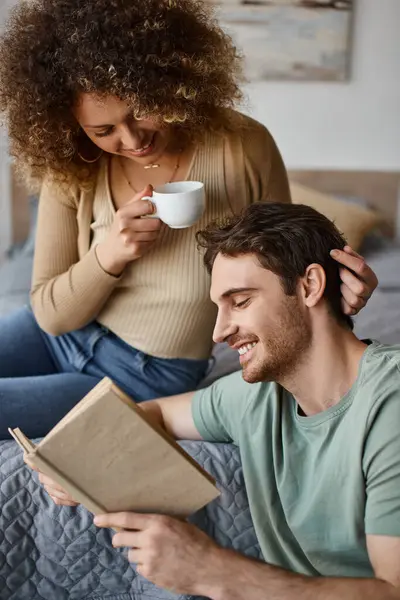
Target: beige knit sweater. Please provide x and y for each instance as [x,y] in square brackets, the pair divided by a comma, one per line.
[160,305]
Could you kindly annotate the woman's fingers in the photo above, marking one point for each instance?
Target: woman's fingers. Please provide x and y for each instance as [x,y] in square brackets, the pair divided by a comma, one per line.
[135,210]
[139,225]
[358,288]
[138,238]
[356,263]
[358,280]
[351,304]
[146,191]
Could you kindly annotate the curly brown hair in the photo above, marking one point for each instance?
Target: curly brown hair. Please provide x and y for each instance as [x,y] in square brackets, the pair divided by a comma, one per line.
[166,58]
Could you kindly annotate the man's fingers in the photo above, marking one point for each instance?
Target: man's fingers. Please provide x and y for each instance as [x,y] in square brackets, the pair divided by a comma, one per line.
[30,465]
[54,493]
[62,502]
[50,483]
[128,539]
[135,556]
[125,520]
[60,497]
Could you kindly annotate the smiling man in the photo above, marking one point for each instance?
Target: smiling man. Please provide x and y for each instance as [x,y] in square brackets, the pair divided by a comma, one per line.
[315,414]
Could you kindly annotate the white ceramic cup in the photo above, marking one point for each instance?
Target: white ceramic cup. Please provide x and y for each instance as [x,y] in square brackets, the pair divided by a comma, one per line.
[179,204]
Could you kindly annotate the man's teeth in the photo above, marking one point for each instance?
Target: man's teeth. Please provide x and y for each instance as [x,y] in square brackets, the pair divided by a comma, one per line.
[243,349]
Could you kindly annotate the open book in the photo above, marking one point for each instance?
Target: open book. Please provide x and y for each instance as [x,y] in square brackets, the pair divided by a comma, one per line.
[109,456]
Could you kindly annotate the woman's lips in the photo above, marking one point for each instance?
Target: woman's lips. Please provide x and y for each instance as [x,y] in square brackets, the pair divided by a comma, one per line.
[144,151]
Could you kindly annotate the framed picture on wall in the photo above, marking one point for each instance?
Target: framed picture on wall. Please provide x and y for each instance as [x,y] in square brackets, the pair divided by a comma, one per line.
[290,39]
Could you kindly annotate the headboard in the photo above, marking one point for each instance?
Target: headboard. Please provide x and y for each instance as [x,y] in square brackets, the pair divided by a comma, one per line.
[380,189]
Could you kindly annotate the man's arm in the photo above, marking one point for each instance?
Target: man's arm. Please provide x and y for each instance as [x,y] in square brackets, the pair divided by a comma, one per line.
[245,579]
[213,414]
[174,414]
[176,555]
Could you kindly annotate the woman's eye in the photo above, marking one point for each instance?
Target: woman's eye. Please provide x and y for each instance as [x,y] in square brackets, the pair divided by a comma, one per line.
[105,133]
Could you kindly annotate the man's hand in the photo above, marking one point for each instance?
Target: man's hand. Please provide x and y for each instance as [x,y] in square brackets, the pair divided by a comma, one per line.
[358,280]
[56,492]
[178,556]
[172,554]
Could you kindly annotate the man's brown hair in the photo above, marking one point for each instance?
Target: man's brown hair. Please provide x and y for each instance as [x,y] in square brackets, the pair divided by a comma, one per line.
[286,238]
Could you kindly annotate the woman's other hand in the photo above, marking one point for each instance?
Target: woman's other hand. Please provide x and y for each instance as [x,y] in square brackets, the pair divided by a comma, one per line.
[130,236]
[358,280]
[55,491]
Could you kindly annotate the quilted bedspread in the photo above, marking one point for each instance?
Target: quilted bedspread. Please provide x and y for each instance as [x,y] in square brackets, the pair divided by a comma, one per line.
[56,553]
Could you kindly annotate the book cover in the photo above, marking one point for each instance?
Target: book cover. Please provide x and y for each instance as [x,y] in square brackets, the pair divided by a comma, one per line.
[109,456]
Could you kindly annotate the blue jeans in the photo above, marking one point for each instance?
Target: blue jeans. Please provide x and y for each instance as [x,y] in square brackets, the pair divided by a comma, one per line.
[42,377]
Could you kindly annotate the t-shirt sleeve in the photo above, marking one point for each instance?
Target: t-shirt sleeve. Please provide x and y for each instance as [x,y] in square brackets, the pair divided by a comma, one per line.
[382,469]
[219,409]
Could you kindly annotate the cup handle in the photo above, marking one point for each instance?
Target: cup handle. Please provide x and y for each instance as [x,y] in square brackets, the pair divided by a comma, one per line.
[153,215]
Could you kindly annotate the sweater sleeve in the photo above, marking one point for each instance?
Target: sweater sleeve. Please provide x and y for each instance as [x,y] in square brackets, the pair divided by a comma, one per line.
[67,293]
[266,176]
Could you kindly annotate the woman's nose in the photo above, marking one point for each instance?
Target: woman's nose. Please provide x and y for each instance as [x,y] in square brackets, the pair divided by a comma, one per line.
[130,139]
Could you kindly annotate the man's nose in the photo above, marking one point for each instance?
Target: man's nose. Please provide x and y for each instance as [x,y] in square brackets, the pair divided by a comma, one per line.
[223,329]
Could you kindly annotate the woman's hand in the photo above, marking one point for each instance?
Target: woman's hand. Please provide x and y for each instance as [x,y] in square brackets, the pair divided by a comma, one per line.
[56,492]
[130,236]
[358,280]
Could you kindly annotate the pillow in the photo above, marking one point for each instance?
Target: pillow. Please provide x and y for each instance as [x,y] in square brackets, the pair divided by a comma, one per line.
[352,220]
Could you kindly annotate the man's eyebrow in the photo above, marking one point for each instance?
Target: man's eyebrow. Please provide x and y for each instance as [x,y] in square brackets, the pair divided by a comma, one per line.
[233,291]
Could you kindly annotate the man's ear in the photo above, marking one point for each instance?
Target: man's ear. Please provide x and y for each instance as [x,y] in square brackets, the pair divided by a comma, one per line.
[312,285]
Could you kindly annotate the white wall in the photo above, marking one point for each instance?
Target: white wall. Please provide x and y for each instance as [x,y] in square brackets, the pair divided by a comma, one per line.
[5,175]
[5,197]
[5,178]
[351,125]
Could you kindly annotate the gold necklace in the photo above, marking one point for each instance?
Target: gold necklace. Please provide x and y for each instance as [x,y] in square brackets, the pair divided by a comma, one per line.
[174,172]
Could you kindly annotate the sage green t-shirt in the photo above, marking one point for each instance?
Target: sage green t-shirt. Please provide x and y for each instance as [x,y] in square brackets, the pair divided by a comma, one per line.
[316,485]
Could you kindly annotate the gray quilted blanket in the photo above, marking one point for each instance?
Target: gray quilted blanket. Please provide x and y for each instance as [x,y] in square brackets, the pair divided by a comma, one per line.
[55,553]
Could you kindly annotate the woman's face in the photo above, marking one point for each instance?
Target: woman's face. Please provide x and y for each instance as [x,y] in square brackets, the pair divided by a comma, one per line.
[110,124]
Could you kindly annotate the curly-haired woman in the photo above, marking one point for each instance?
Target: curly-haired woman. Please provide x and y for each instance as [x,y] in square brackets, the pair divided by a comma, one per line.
[103,99]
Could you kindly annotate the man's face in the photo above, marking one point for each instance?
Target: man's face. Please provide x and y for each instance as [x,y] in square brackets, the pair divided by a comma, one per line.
[270,330]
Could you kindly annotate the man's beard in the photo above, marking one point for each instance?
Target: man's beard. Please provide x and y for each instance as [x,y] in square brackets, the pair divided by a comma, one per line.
[282,349]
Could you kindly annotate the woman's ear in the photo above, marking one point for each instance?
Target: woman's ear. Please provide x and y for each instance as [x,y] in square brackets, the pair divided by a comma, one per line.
[312,285]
